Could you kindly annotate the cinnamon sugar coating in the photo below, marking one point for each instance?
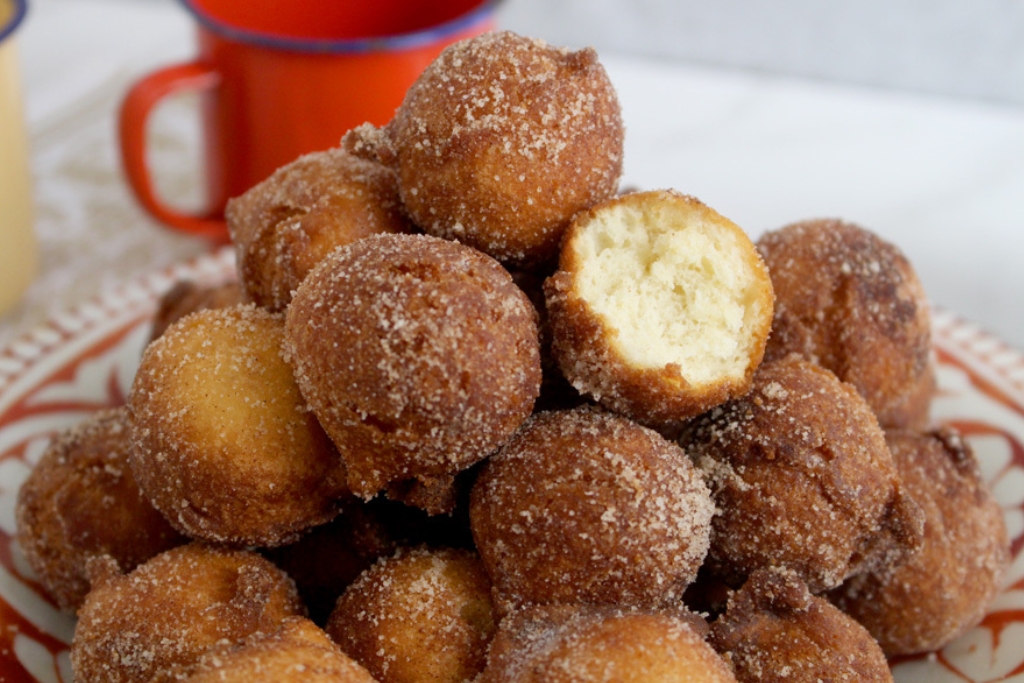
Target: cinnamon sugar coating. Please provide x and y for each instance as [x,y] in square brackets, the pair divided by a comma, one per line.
[803,480]
[81,501]
[660,308]
[153,624]
[500,141]
[418,355]
[774,630]
[222,442]
[851,302]
[589,507]
[595,644]
[937,593]
[420,616]
[286,224]
[186,297]
[298,652]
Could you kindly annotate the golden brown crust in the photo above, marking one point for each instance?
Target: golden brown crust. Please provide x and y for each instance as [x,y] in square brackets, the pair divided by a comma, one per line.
[802,478]
[501,140]
[774,630]
[586,506]
[186,297]
[944,588]
[223,444]
[81,501]
[420,615]
[153,625]
[286,224]
[850,301]
[298,652]
[591,346]
[418,355]
[595,644]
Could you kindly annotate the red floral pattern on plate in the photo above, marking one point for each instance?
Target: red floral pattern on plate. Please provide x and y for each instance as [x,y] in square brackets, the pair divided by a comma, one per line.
[85,360]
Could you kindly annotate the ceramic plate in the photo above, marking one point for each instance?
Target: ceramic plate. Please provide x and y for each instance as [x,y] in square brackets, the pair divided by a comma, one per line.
[85,360]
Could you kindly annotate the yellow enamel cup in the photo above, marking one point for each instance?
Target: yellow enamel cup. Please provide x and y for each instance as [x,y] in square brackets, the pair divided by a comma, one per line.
[18,257]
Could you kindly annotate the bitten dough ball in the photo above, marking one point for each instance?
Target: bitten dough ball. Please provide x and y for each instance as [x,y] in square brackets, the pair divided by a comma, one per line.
[223,444]
[419,356]
[660,308]
[420,616]
[851,302]
[286,224]
[775,631]
[943,589]
[803,480]
[153,624]
[584,506]
[298,652]
[596,644]
[500,141]
[81,501]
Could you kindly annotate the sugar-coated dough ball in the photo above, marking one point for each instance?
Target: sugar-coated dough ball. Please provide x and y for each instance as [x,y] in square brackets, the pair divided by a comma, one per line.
[186,296]
[421,616]
[775,631]
[153,624]
[419,356]
[501,140]
[584,506]
[298,652]
[223,443]
[660,308]
[286,224]
[851,302]
[81,501]
[803,480]
[937,593]
[597,644]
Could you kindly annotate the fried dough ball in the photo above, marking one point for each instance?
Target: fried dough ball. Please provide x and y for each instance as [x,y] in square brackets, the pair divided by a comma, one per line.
[223,444]
[660,308]
[81,501]
[587,506]
[330,557]
[802,478]
[418,355]
[775,631]
[421,616]
[286,224]
[501,141]
[153,624]
[937,593]
[298,652]
[187,297]
[851,302]
[596,644]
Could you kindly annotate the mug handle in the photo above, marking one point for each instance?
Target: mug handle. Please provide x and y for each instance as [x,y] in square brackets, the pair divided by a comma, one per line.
[135,110]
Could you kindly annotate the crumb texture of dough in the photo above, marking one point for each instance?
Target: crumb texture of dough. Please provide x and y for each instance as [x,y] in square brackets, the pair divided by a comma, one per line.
[660,308]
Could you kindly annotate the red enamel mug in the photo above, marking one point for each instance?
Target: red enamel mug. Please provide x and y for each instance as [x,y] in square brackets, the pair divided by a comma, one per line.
[282,78]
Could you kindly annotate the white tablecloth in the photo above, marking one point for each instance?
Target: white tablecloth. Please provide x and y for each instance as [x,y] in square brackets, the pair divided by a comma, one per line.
[943,179]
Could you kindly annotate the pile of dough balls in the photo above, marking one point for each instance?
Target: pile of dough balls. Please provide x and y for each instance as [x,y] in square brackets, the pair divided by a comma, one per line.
[471,414]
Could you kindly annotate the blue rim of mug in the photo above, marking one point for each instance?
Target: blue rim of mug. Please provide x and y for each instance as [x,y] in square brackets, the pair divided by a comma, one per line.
[399,41]
[20,8]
